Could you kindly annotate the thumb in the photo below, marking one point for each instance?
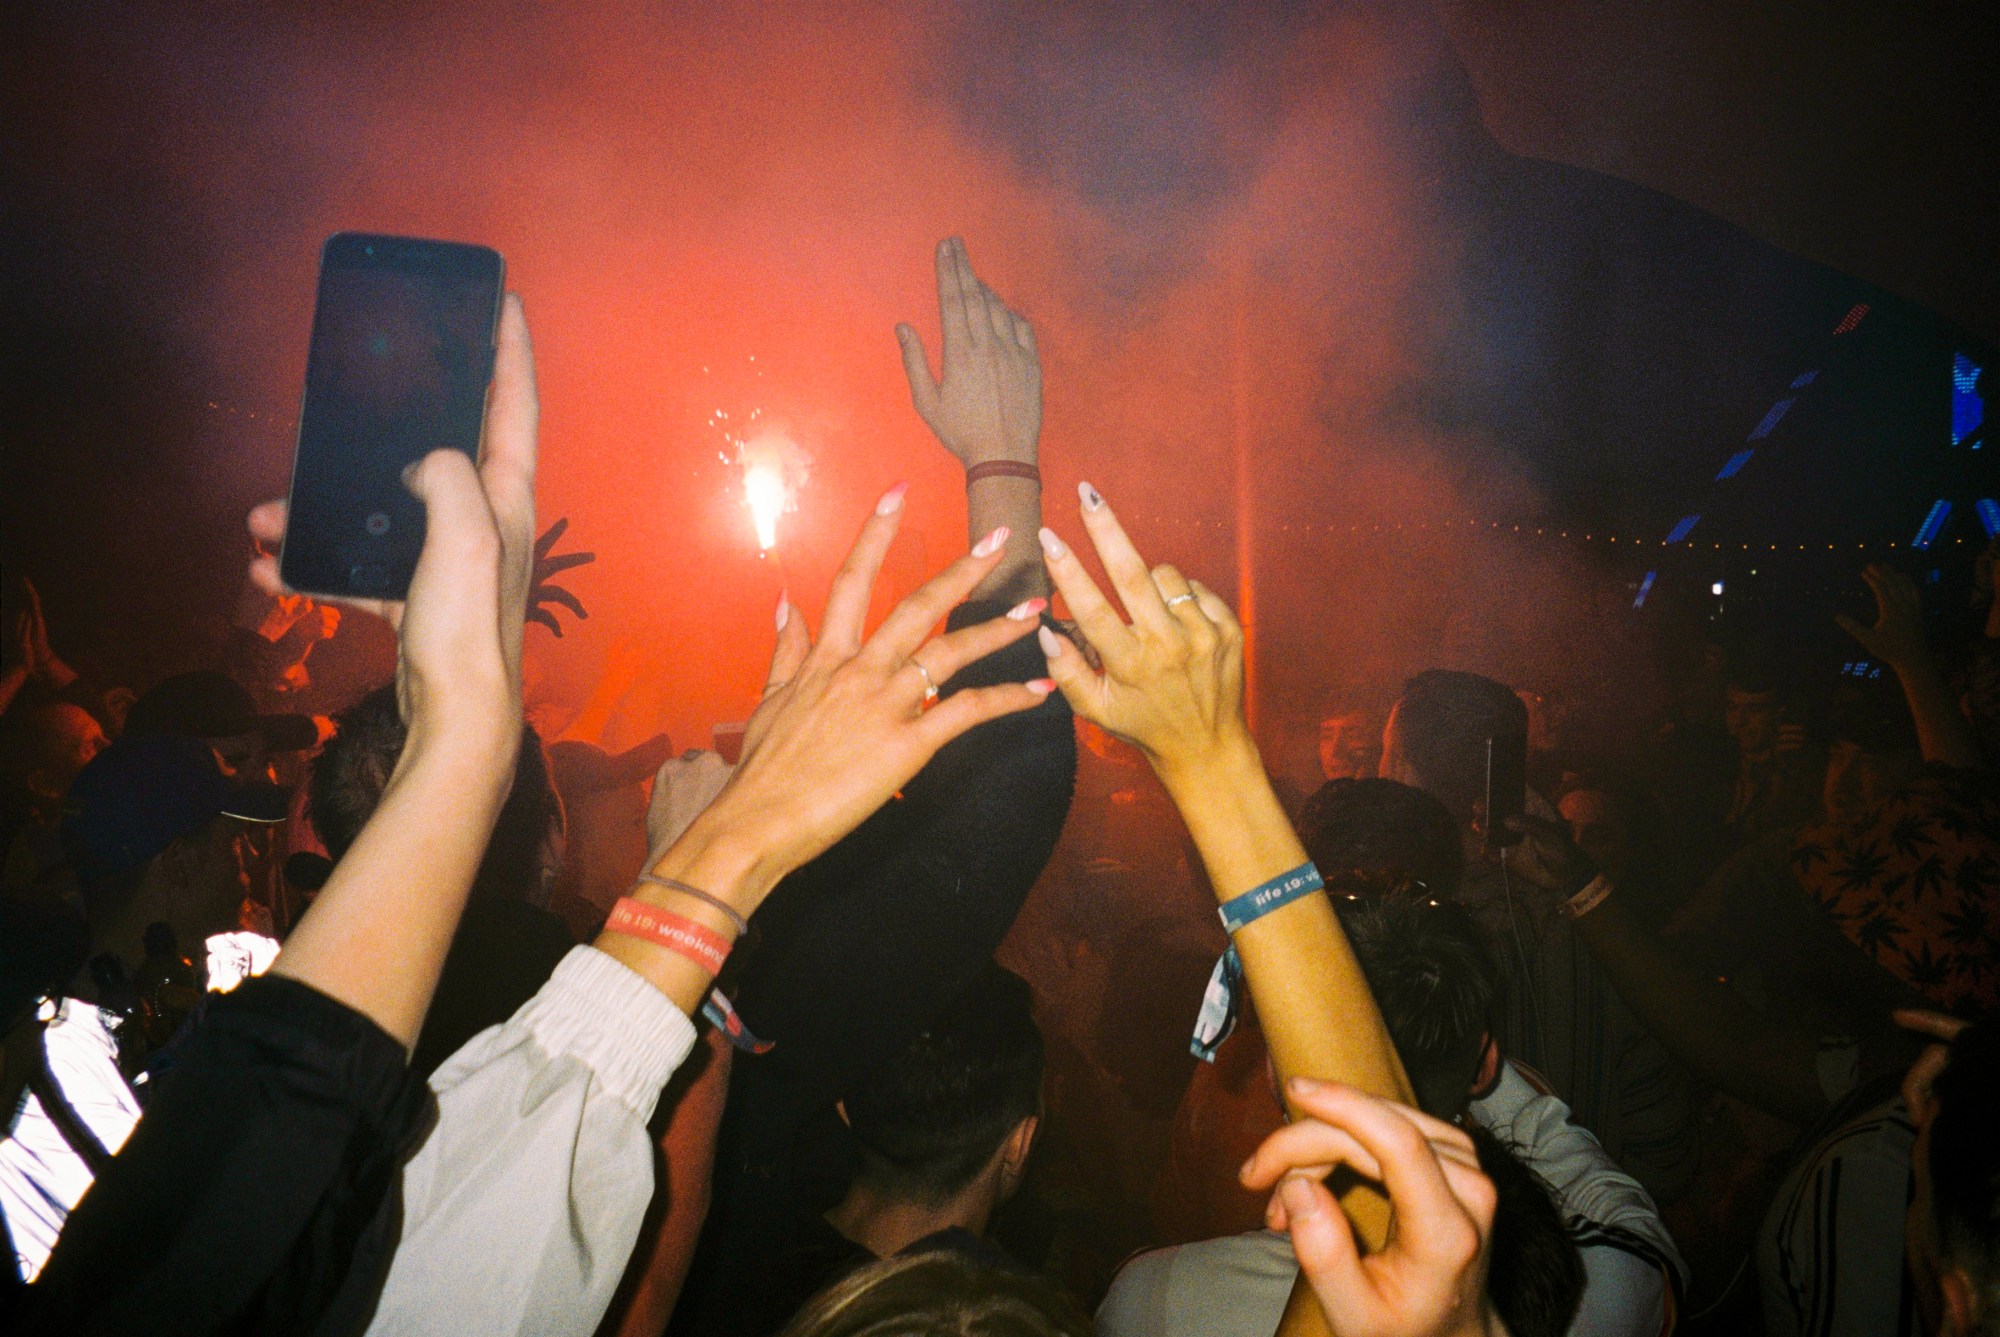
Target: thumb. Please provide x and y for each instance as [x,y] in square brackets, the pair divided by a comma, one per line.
[1851,627]
[1072,673]
[917,368]
[459,532]
[1324,1243]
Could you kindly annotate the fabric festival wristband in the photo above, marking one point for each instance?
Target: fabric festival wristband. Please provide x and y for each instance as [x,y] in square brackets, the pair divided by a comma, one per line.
[1592,896]
[697,942]
[1003,469]
[1276,894]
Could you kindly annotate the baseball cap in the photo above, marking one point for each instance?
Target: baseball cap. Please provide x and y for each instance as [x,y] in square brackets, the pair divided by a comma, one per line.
[140,795]
[210,704]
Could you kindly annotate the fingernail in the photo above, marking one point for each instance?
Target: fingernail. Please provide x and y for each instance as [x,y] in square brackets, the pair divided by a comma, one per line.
[1243,1170]
[1052,545]
[1304,1086]
[784,610]
[1299,1199]
[1091,500]
[989,545]
[1050,645]
[1040,686]
[1026,609]
[410,471]
[892,500]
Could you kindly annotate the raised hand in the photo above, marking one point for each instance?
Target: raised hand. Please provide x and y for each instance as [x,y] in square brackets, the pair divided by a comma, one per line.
[547,568]
[1897,638]
[1172,681]
[987,402]
[1430,1279]
[845,722]
[1943,1029]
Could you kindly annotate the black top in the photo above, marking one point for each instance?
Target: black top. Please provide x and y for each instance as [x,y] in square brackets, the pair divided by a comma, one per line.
[251,1196]
[501,955]
[854,954]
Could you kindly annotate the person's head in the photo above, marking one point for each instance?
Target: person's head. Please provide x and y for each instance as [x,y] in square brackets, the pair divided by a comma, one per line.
[1953,1232]
[1753,701]
[1534,1274]
[1600,822]
[1373,834]
[155,832]
[938,1295]
[526,850]
[957,1110]
[212,706]
[1437,986]
[1437,735]
[44,749]
[1350,738]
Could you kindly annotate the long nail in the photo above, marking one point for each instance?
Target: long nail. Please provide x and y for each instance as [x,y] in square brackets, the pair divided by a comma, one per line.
[1026,609]
[1040,686]
[1050,645]
[1052,545]
[784,609]
[1091,499]
[892,500]
[989,545]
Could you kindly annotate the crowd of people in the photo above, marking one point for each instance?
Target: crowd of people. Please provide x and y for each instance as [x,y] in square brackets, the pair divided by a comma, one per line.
[406,1016]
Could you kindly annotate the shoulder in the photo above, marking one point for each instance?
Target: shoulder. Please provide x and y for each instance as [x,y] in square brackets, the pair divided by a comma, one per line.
[1235,1286]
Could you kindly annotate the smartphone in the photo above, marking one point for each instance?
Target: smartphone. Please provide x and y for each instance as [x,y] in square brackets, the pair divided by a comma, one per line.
[399,365]
[1506,787]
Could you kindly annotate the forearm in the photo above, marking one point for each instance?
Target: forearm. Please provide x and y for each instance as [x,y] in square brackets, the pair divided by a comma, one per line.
[10,685]
[1314,1005]
[1016,503]
[376,937]
[1941,730]
[1758,1059]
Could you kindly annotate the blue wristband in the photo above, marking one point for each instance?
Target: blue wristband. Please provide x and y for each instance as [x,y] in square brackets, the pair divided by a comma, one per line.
[1276,894]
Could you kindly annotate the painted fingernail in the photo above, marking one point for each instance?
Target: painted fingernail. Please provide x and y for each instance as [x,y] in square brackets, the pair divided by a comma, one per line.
[784,610]
[1052,545]
[989,545]
[1090,497]
[1026,609]
[892,500]
[1304,1086]
[1040,686]
[1050,645]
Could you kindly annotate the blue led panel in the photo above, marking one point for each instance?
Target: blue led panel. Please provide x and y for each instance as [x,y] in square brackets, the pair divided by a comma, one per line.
[1772,419]
[1932,526]
[1645,588]
[1681,530]
[1804,379]
[1989,516]
[1968,407]
[1735,465]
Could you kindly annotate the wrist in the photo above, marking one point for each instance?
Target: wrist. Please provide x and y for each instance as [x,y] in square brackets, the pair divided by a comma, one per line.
[729,863]
[1225,764]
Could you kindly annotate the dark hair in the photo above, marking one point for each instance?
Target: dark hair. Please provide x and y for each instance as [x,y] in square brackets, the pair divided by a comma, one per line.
[1375,832]
[1443,720]
[931,1118]
[1965,1162]
[1434,979]
[939,1294]
[1534,1274]
[351,772]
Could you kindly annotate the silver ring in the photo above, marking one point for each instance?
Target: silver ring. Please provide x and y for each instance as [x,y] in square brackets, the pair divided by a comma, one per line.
[930,687]
[1180,599]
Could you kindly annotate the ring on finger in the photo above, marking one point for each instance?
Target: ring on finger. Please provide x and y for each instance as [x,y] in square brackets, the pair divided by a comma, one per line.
[930,685]
[776,685]
[1181,598]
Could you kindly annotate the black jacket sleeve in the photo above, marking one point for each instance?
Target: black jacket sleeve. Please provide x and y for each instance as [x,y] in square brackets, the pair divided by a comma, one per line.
[248,1199]
[855,952]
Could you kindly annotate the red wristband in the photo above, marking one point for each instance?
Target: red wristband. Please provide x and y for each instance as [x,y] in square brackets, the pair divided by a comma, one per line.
[697,942]
[1003,469]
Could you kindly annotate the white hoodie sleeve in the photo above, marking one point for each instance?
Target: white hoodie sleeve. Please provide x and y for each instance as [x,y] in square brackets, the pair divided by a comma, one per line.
[521,1208]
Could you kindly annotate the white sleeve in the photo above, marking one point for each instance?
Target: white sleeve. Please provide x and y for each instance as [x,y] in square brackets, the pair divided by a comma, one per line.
[1624,1295]
[521,1208]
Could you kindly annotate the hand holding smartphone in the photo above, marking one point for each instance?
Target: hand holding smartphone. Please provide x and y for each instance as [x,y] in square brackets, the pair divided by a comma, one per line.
[399,366]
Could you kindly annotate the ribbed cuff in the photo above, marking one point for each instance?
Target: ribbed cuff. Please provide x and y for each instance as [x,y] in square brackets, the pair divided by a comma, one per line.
[614,1023]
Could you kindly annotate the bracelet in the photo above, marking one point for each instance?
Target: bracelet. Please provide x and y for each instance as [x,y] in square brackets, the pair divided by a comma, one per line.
[1003,469]
[713,902]
[1592,896]
[697,942]
[1276,894]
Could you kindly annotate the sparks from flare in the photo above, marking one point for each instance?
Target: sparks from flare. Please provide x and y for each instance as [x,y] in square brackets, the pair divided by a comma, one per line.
[773,468]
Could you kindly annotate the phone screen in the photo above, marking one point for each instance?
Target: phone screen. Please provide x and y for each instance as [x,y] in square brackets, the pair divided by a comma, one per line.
[401,356]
